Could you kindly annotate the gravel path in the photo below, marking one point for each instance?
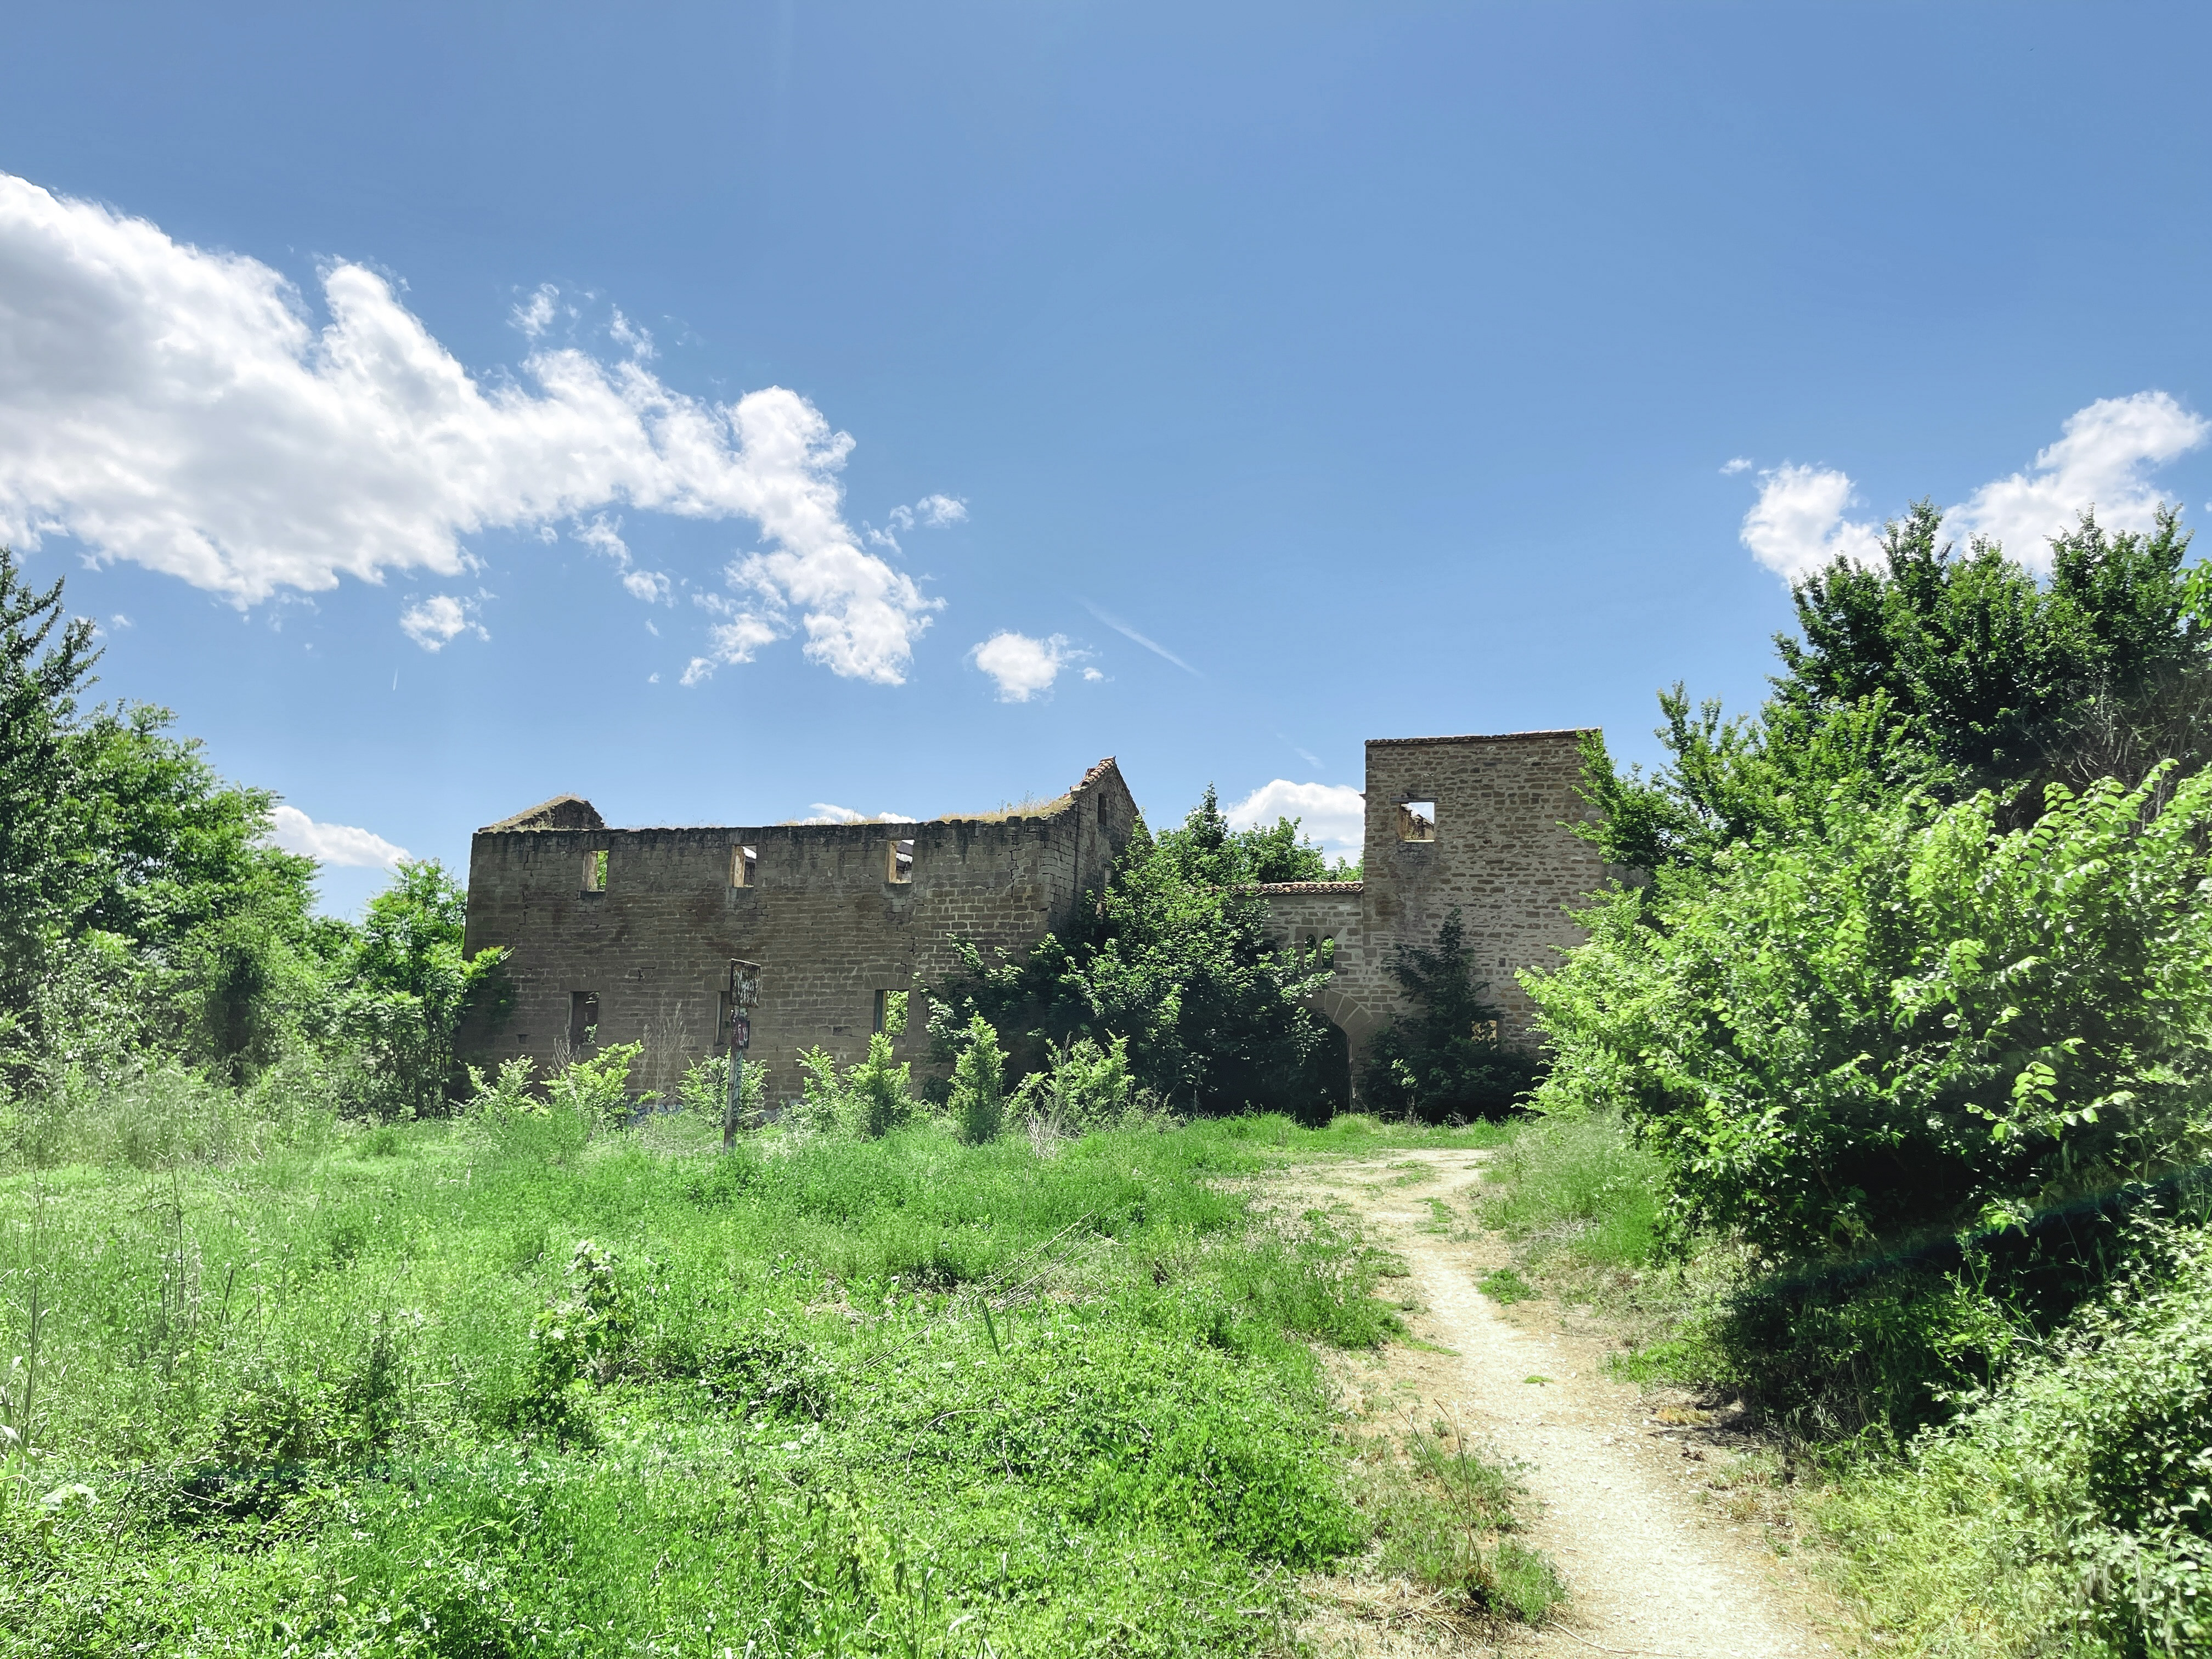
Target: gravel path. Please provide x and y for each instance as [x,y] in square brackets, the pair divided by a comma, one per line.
[1650,1570]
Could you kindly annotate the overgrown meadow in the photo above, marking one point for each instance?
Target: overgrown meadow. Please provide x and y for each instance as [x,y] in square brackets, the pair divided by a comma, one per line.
[474,1387]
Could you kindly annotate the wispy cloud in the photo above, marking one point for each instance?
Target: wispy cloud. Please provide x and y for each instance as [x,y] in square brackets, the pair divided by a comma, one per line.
[630,337]
[178,407]
[1023,667]
[931,512]
[436,622]
[533,316]
[2100,460]
[1130,633]
[331,843]
[653,587]
[1740,464]
[1333,814]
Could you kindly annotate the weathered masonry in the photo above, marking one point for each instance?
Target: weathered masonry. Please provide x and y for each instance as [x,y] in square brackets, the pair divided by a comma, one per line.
[626,935]
[1476,823]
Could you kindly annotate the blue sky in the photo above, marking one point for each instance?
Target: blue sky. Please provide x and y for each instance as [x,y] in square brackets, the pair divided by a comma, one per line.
[435,390]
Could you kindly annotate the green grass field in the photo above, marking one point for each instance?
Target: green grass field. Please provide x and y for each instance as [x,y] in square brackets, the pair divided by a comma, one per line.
[444,1389]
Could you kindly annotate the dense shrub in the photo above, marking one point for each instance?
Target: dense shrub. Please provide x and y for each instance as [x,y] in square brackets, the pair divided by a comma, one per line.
[1174,958]
[1905,1020]
[2067,1504]
[1443,1058]
[978,1099]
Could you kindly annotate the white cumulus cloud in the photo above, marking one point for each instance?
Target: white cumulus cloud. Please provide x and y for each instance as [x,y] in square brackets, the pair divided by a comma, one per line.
[2101,460]
[1797,525]
[331,843]
[827,813]
[1333,815]
[436,622]
[1023,667]
[179,408]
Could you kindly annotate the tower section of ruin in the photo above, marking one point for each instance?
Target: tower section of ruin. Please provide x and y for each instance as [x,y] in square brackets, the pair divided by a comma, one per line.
[626,935]
[1482,824]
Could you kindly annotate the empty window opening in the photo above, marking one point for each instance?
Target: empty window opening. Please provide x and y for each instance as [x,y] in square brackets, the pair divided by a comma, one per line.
[595,872]
[890,1013]
[583,1019]
[745,865]
[899,865]
[1417,820]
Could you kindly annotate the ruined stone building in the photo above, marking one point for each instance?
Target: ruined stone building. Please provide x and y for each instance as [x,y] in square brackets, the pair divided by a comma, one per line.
[628,933]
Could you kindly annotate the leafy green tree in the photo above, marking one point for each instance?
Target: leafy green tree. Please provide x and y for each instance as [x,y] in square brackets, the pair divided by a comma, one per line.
[1912,1021]
[167,845]
[1995,672]
[42,673]
[121,848]
[1444,1057]
[407,987]
[1935,674]
[1175,958]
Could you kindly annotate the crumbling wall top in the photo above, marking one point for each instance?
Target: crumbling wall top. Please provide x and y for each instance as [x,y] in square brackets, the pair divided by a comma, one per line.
[562,812]
[1484,736]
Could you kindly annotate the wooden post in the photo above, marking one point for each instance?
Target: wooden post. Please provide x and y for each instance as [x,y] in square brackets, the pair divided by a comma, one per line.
[744,992]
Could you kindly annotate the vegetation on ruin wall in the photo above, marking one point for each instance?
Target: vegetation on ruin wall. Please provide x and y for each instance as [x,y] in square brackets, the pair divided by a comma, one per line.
[1174,959]
[1903,1058]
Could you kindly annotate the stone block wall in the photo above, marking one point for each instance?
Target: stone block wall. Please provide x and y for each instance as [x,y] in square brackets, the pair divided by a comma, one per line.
[819,910]
[1495,843]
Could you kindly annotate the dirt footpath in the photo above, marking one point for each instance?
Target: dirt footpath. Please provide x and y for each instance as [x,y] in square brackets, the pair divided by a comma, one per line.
[1621,1481]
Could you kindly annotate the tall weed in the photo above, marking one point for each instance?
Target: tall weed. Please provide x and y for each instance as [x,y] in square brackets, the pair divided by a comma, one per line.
[2066,1507]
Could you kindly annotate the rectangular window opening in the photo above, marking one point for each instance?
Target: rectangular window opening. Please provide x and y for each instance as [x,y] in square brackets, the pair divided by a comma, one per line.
[1417,820]
[899,865]
[583,1019]
[890,1013]
[745,865]
[595,872]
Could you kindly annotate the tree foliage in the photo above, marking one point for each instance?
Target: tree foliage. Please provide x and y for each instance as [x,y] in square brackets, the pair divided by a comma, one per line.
[1444,1057]
[41,674]
[1925,938]
[1174,958]
[145,915]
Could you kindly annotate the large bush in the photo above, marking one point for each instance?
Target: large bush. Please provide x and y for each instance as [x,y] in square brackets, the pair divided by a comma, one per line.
[1175,958]
[1908,1021]
[2067,1507]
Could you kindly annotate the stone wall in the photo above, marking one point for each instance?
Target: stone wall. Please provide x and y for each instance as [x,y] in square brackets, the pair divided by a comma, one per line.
[819,910]
[1496,845]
